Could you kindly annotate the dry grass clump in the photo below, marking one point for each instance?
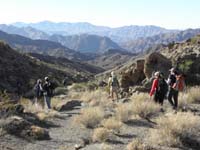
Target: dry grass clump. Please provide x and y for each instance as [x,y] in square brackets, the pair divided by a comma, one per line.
[136,144]
[112,124]
[90,117]
[174,128]
[142,106]
[194,95]
[30,107]
[100,135]
[123,112]
[97,95]
[46,115]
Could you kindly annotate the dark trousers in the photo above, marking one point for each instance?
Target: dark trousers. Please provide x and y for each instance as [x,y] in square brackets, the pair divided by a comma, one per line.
[159,98]
[173,94]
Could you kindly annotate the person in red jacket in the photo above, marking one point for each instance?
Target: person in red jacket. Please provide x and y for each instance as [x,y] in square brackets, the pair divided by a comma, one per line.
[159,88]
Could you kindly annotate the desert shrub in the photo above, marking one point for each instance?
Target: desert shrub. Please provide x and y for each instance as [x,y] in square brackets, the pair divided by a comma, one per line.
[174,128]
[194,95]
[100,135]
[78,87]
[95,98]
[142,106]
[90,117]
[185,66]
[112,124]
[136,144]
[123,112]
[60,91]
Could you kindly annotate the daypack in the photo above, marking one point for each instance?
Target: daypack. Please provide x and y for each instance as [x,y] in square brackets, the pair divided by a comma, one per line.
[180,83]
[114,82]
[162,87]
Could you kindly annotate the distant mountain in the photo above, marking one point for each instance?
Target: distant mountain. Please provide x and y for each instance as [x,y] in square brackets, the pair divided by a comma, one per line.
[27,45]
[86,42]
[143,44]
[24,31]
[112,58]
[119,35]
[26,69]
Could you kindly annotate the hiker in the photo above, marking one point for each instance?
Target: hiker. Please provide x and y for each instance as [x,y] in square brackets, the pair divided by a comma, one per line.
[38,91]
[113,85]
[173,93]
[159,88]
[47,92]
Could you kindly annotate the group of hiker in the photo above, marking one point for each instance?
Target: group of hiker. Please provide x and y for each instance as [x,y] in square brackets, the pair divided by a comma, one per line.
[160,89]
[169,88]
[43,89]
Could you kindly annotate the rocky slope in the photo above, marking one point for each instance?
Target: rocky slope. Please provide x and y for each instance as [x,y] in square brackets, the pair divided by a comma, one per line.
[112,58]
[18,68]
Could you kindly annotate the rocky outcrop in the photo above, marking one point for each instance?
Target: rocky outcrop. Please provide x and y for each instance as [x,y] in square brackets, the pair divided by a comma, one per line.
[134,74]
[139,74]
[156,62]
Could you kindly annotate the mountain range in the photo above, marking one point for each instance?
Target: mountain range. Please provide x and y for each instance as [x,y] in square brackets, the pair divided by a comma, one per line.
[86,42]
[45,47]
[119,34]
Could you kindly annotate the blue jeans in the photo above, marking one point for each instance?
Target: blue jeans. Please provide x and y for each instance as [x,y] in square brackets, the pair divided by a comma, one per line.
[48,101]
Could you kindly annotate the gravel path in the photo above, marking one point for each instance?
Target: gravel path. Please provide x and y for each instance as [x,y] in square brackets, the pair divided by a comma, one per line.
[65,135]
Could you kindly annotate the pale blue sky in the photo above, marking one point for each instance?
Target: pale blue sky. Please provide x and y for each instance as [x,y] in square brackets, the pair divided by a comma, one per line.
[173,14]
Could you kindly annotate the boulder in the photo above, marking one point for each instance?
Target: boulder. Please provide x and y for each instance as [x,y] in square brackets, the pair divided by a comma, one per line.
[22,128]
[69,105]
[134,74]
[156,62]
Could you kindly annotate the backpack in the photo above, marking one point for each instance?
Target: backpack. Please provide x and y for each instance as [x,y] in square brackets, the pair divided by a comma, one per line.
[162,87]
[179,85]
[114,82]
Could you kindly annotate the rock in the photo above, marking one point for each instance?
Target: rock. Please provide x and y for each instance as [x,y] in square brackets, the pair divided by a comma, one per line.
[10,108]
[22,128]
[69,105]
[133,75]
[156,62]
[38,133]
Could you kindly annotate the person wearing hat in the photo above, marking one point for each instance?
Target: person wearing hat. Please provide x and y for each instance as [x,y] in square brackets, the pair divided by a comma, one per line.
[48,92]
[159,88]
[113,84]
[173,94]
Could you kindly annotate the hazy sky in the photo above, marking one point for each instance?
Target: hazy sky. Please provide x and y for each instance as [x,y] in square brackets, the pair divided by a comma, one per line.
[179,14]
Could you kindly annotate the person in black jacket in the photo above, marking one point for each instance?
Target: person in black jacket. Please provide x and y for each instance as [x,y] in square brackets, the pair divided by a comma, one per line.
[172,92]
[47,92]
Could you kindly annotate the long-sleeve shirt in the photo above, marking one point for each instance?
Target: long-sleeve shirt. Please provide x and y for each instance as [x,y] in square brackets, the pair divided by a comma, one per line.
[154,86]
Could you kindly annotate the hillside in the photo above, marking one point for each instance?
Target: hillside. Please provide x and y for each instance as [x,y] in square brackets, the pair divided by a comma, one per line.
[143,44]
[112,58]
[86,42]
[27,45]
[18,68]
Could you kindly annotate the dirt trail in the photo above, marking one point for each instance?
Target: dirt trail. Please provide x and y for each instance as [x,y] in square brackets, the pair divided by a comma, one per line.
[64,135]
